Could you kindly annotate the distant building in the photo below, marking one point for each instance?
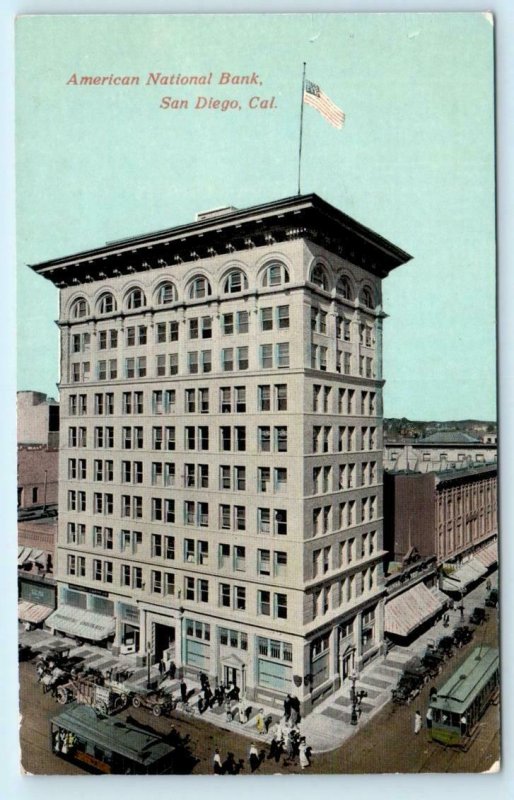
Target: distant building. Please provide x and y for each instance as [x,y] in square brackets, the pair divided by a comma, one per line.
[448,514]
[440,451]
[37,593]
[38,419]
[37,477]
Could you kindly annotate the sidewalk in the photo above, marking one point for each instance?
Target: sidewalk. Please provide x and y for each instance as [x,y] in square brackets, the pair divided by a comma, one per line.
[328,726]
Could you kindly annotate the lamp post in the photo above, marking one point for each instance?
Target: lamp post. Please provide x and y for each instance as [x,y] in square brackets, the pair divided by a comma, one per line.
[356,698]
[148,655]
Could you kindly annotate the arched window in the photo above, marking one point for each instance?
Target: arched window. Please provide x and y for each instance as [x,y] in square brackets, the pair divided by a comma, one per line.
[136,299]
[166,293]
[199,287]
[367,298]
[236,281]
[319,276]
[275,274]
[80,308]
[344,288]
[106,303]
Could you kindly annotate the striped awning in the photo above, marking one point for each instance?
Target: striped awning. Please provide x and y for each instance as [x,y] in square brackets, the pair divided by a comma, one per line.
[462,577]
[407,611]
[32,612]
[489,555]
[83,624]
[26,554]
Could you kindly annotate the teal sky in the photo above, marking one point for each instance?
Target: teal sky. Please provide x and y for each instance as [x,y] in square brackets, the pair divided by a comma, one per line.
[415,162]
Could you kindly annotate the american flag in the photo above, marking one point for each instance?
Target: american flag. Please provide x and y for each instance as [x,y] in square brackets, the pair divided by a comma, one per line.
[316,98]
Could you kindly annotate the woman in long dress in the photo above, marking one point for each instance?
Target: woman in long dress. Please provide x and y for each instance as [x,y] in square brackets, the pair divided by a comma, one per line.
[304,759]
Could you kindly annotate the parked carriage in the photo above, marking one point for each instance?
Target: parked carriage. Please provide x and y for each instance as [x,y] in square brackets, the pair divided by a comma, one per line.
[412,679]
[462,635]
[90,692]
[478,616]
[462,700]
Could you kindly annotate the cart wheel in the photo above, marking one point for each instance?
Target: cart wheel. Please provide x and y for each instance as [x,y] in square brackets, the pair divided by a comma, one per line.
[136,701]
[156,711]
[62,696]
[101,707]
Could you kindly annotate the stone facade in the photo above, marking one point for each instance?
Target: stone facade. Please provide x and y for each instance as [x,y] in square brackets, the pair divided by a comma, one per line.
[221,453]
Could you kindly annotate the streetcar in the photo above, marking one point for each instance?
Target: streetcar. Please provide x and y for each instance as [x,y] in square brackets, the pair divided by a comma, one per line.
[459,704]
[100,744]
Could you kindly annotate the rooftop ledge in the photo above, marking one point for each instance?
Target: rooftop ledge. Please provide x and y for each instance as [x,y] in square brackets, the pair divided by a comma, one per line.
[302,216]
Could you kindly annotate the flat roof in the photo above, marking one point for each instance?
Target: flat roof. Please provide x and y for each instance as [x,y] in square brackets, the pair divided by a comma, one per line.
[469,677]
[111,734]
[301,216]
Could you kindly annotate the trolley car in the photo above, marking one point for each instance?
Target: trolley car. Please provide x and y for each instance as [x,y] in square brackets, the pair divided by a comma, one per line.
[459,704]
[102,745]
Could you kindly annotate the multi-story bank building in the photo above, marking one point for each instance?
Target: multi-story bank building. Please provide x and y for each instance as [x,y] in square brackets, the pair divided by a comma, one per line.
[221,445]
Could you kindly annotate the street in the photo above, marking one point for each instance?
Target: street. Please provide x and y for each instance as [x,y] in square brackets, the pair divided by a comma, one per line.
[384,744]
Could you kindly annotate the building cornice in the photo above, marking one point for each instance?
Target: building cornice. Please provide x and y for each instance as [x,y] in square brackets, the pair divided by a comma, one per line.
[299,217]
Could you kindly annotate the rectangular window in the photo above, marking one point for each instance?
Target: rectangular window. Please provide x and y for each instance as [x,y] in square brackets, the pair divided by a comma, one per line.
[242,358]
[266,319]
[264,439]
[228,324]
[264,603]
[242,321]
[283,316]
[283,354]
[192,362]
[173,364]
[281,397]
[266,356]
[264,398]
[227,359]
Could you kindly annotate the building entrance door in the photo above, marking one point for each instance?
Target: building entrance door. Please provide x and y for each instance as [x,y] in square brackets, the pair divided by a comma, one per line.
[231,675]
[164,639]
[346,667]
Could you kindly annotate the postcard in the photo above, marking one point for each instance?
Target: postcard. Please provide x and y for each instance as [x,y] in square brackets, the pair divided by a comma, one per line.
[257,437]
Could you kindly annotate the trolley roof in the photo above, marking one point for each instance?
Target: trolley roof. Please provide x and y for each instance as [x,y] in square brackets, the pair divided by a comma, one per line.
[127,740]
[468,680]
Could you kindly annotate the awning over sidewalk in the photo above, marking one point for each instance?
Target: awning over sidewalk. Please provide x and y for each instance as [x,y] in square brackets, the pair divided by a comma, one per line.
[32,612]
[26,554]
[489,555]
[80,623]
[470,572]
[409,610]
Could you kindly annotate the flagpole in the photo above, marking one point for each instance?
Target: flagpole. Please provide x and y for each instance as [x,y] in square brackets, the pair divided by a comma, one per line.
[301,129]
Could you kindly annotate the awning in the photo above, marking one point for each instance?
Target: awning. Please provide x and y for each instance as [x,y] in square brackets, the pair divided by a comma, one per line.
[32,612]
[29,554]
[409,610]
[470,572]
[80,623]
[488,556]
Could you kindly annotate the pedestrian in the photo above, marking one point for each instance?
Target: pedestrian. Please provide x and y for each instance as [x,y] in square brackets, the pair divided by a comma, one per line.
[259,722]
[254,757]
[229,715]
[463,726]
[428,720]
[183,690]
[295,706]
[488,585]
[287,707]
[243,719]
[162,668]
[289,746]
[304,758]
[172,670]
[216,762]
[200,702]
[229,765]
[417,722]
